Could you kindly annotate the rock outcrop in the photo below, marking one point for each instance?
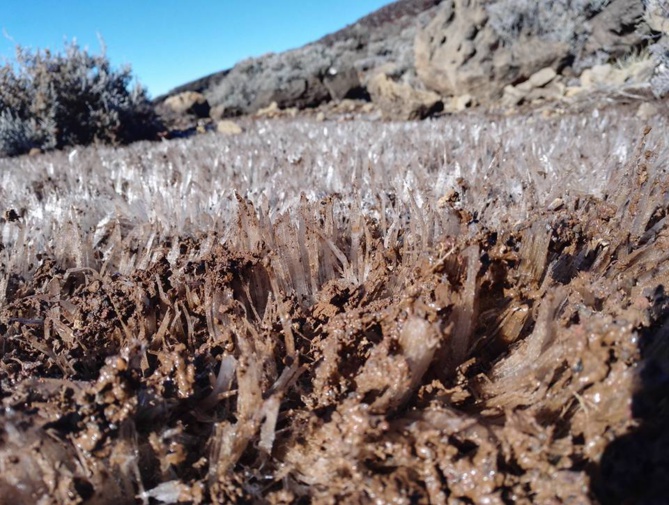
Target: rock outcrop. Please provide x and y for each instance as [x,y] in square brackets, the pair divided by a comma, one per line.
[479,48]
[414,58]
[460,52]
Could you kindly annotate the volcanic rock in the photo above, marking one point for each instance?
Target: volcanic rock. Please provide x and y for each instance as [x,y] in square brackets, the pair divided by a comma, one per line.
[401,101]
[228,127]
[189,102]
[459,52]
[482,49]
[343,83]
[301,93]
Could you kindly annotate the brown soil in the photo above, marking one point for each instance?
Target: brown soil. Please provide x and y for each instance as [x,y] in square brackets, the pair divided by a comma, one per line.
[443,351]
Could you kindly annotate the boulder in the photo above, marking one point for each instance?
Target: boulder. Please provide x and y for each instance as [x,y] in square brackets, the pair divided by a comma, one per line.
[597,75]
[541,85]
[287,93]
[513,95]
[459,53]
[228,127]
[271,111]
[402,102]
[646,110]
[459,103]
[542,77]
[300,93]
[572,91]
[343,83]
[188,102]
[554,90]
[219,112]
[628,73]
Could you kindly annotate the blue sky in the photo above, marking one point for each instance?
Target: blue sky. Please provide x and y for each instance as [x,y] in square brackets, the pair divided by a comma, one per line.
[172,42]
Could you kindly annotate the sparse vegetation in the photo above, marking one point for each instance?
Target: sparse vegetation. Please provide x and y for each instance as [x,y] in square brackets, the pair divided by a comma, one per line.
[660,81]
[255,82]
[52,100]
[554,20]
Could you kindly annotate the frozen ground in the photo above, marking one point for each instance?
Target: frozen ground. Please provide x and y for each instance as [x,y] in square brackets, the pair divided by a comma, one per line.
[453,311]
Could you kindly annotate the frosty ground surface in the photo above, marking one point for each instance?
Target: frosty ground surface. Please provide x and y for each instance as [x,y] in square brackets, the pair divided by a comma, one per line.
[467,310]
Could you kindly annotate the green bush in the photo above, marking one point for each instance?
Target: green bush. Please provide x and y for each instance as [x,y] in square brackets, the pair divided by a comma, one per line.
[53,100]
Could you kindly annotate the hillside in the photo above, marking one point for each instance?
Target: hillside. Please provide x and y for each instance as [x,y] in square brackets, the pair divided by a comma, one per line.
[413,59]
[401,14]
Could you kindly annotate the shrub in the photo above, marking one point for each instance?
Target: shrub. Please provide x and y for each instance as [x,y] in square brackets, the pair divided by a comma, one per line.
[659,83]
[554,20]
[657,17]
[596,31]
[52,100]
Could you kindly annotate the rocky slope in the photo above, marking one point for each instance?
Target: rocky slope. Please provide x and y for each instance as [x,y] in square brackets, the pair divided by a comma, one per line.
[415,58]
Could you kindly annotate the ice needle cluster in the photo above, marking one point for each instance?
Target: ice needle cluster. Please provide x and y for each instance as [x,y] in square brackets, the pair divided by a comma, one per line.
[444,312]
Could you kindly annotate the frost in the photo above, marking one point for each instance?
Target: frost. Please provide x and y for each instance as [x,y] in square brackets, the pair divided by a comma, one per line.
[389,310]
